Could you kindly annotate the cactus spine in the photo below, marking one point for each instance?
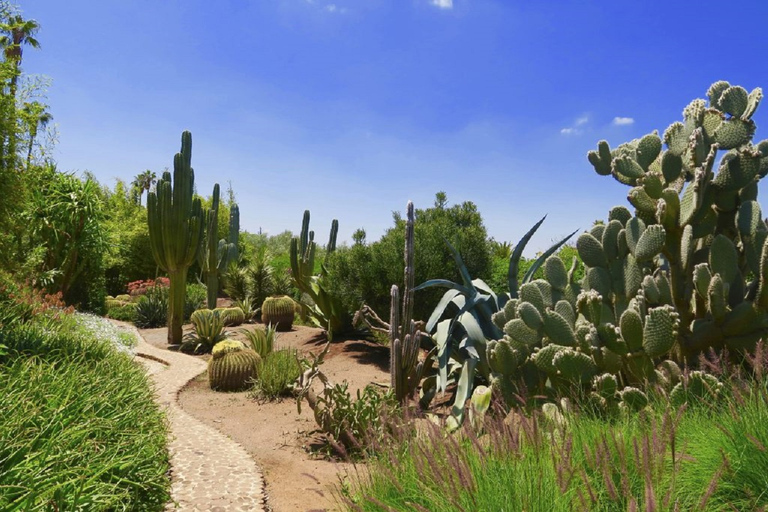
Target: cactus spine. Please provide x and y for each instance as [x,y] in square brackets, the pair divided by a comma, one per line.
[405,341]
[216,254]
[175,220]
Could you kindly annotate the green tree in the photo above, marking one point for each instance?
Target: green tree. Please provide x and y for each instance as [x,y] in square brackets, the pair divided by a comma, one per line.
[35,116]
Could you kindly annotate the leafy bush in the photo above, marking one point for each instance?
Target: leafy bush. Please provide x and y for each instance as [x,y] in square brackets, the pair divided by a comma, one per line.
[87,435]
[152,308]
[365,272]
[125,312]
[277,373]
[194,299]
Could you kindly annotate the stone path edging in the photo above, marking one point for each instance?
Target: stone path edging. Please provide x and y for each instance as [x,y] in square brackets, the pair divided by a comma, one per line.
[209,471]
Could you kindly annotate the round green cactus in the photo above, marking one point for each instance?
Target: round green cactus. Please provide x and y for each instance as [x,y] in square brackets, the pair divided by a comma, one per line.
[278,311]
[233,367]
[231,316]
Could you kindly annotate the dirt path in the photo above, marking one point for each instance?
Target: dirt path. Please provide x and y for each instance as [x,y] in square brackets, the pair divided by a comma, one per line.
[275,435]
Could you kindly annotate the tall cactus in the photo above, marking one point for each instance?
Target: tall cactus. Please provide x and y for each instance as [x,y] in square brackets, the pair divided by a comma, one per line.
[175,219]
[216,254]
[325,310]
[404,338]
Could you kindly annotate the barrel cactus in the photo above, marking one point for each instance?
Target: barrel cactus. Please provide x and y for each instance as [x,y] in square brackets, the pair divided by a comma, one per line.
[232,367]
[278,311]
[231,316]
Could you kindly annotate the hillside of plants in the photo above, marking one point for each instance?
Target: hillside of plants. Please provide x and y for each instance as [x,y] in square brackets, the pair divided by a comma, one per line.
[623,368]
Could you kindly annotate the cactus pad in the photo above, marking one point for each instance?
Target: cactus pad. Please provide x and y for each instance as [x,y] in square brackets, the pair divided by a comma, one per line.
[660,330]
[591,251]
[574,366]
[634,399]
[697,387]
[518,331]
[528,313]
[650,243]
[558,330]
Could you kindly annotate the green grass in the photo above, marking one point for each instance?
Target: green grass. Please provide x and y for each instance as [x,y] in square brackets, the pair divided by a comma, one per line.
[702,458]
[78,427]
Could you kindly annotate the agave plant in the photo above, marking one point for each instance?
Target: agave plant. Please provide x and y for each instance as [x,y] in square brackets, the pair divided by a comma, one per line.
[262,341]
[209,330]
[461,338]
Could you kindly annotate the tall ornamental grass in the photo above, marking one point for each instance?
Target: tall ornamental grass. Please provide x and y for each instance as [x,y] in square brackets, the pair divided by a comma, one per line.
[78,427]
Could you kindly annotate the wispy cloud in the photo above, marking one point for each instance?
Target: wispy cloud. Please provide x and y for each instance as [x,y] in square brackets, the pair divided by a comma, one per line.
[622,121]
[335,9]
[442,4]
[574,128]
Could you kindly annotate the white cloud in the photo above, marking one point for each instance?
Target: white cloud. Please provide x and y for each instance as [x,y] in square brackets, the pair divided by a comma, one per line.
[333,8]
[582,120]
[574,128]
[622,121]
[570,131]
[442,4]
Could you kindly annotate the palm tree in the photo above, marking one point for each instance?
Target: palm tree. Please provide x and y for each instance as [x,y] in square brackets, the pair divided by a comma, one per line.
[143,182]
[35,116]
[16,32]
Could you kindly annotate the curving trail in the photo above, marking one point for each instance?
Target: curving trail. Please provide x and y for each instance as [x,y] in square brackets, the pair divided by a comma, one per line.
[209,471]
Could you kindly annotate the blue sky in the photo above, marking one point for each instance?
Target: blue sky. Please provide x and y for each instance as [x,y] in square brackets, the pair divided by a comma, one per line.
[351,108]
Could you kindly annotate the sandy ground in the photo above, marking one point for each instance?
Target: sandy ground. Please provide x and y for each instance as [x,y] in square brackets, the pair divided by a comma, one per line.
[275,435]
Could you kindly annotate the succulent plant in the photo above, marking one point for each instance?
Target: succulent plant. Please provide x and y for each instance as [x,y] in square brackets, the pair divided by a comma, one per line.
[405,369]
[684,273]
[209,330]
[231,316]
[216,254]
[278,311]
[232,367]
[175,220]
[262,341]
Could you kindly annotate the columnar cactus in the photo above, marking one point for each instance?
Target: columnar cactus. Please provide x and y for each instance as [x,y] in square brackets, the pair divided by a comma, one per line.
[216,254]
[175,219]
[232,367]
[404,339]
[325,310]
[278,311]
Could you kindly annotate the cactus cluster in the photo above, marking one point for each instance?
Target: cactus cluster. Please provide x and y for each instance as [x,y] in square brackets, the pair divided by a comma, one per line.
[684,273]
[232,367]
[278,311]
[405,369]
[216,254]
[325,310]
[209,330]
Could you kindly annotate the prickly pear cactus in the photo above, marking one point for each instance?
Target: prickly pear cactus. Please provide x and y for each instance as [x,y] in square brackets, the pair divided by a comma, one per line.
[232,367]
[684,272]
[278,311]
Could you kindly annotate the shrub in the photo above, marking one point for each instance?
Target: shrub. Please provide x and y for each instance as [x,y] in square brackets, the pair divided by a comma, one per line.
[125,312]
[278,372]
[194,299]
[152,308]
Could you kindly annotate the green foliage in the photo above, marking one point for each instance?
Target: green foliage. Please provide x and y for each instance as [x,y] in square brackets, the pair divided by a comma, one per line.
[232,367]
[65,437]
[175,222]
[353,424]
[262,341]
[125,312]
[278,372]
[194,299]
[364,272]
[152,309]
